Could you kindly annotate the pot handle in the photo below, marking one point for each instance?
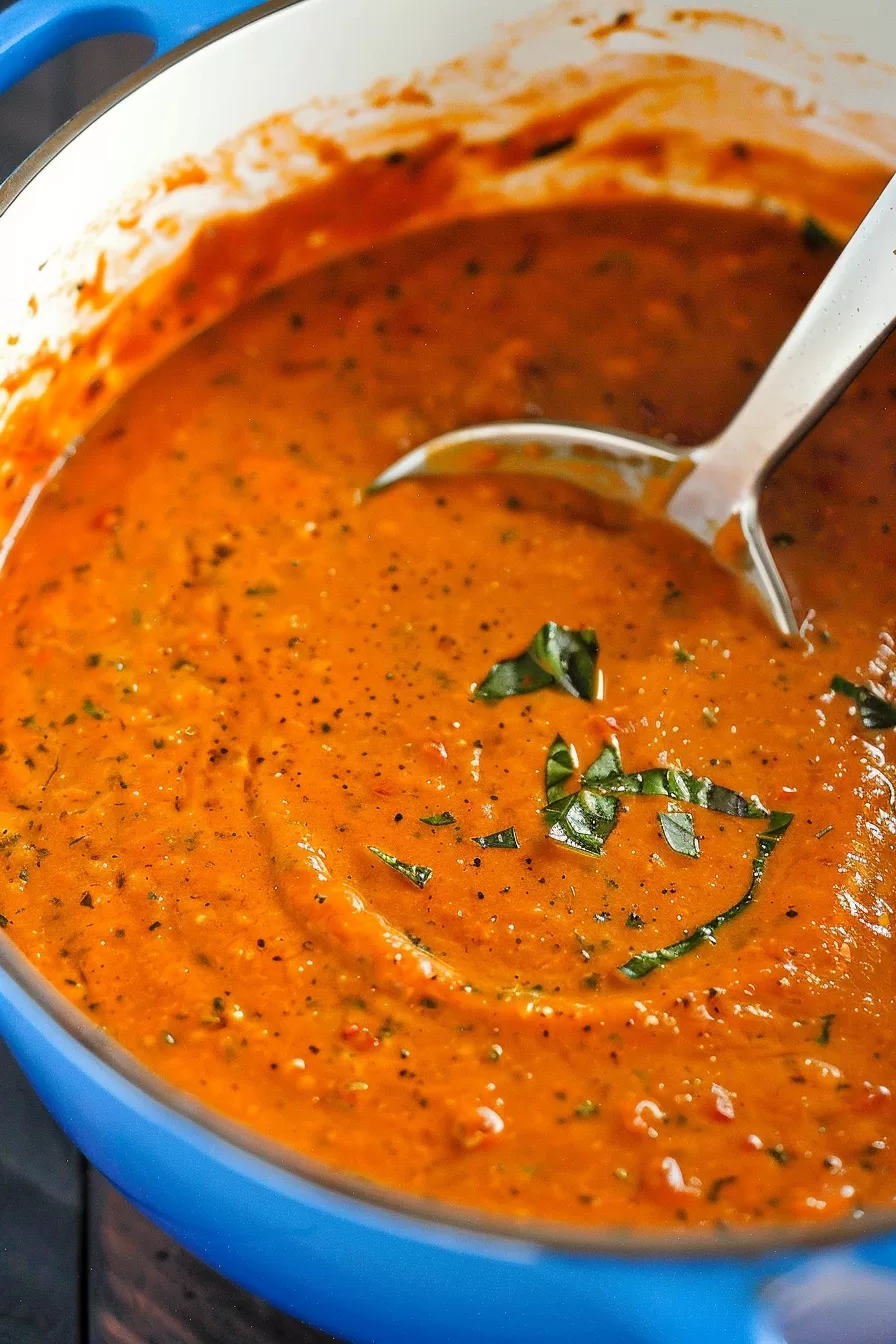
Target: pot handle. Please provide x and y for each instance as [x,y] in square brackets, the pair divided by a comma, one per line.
[32,31]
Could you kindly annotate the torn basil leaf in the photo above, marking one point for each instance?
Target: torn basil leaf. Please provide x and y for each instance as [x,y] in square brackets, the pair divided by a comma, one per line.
[875,712]
[557,656]
[439,819]
[678,832]
[644,962]
[558,767]
[583,820]
[607,766]
[414,872]
[505,839]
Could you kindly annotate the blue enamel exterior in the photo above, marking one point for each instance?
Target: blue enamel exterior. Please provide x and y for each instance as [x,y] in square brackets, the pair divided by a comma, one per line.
[364,1272]
[32,31]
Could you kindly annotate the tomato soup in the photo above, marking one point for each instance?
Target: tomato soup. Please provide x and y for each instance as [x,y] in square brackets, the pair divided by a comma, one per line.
[475,837]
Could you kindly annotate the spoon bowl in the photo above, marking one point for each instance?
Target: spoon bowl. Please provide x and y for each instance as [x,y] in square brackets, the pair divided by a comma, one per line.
[711,491]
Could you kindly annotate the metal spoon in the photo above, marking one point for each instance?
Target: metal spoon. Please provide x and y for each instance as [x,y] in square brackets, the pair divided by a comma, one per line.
[711,491]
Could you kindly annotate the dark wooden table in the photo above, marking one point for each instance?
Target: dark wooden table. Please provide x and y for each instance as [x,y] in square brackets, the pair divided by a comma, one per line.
[79,1265]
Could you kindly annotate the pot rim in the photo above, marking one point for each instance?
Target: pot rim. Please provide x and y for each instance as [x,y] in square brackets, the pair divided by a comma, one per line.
[541,1234]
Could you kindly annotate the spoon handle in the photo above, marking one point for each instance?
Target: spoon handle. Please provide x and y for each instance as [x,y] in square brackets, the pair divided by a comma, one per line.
[846,320]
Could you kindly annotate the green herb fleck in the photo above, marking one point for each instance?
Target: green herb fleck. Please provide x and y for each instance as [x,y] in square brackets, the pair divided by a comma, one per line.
[779,1155]
[816,236]
[875,712]
[712,1194]
[557,656]
[439,819]
[678,832]
[824,1035]
[93,710]
[681,655]
[634,921]
[261,590]
[586,1110]
[506,839]
[414,872]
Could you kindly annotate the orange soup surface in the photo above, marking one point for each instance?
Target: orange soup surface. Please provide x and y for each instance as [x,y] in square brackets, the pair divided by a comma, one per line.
[269,820]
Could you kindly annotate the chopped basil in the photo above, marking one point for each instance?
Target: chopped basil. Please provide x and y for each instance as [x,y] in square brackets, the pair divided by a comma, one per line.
[558,767]
[607,766]
[678,831]
[645,962]
[718,1185]
[684,788]
[439,819]
[93,710]
[557,656]
[824,1036]
[414,872]
[816,236]
[875,712]
[505,839]
[582,820]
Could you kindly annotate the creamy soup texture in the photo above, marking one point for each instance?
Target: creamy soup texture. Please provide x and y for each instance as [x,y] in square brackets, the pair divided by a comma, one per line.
[229,678]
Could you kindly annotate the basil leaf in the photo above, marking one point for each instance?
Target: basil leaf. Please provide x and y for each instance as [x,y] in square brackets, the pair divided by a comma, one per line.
[875,712]
[557,656]
[607,766]
[644,962]
[569,655]
[505,839]
[439,819]
[678,831]
[558,767]
[414,872]
[684,788]
[515,676]
[583,820]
